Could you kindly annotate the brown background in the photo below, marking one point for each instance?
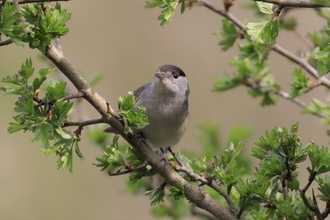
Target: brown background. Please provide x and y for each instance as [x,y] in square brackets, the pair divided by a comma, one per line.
[124,41]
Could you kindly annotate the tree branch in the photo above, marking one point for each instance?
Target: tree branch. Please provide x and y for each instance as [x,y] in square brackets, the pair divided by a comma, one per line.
[294,3]
[5,42]
[33,1]
[201,199]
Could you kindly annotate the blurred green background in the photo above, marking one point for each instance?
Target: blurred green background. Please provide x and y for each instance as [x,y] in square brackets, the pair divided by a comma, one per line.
[124,41]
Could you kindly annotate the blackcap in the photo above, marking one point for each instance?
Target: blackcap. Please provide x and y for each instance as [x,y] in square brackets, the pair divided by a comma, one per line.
[166,101]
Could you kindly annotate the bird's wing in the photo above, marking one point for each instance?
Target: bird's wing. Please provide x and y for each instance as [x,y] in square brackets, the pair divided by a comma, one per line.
[139,90]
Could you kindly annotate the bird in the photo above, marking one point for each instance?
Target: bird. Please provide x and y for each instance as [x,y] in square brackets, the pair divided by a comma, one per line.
[167,108]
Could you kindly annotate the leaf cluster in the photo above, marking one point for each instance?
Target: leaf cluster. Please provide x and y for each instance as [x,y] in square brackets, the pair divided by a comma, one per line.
[43,117]
[36,23]
[136,117]
[168,8]
[45,23]
[8,24]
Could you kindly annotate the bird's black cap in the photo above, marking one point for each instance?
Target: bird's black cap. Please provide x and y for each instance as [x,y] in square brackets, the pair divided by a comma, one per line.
[172,68]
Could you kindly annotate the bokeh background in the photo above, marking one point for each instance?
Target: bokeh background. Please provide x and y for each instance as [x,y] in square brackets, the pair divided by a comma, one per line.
[125,42]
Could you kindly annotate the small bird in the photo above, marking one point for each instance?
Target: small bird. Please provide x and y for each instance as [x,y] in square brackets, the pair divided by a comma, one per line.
[166,102]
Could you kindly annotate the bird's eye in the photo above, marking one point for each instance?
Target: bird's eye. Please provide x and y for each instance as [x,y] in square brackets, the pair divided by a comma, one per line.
[175,75]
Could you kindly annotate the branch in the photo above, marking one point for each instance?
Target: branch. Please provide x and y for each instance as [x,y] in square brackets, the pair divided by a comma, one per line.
[294,3]
[127,170]
[284,95]
[203,215]
[201,199]
[76,95]
[326,212]
[304,190]
[276,47]
[33,1]
[5,42]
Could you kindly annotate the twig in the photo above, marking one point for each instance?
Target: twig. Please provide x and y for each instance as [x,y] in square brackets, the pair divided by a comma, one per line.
[304,190]
[197,212]
[128,170]
[326,211]
[34,1]
[5,42]
[317,210]
[294,3]
[72,96]
[284,95]
[67,123]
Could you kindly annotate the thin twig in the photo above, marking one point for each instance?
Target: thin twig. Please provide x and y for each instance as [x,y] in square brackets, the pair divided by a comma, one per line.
[76,95]
[326,211]
[128,170]
[67,123]
[304,190]
[284,95]
[204,215]
[294,3]
[33,1]
[5,42]
[317,210]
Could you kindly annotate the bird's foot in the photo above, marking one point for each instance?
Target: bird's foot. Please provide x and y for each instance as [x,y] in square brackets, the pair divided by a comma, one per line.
[141,138]
[163,157]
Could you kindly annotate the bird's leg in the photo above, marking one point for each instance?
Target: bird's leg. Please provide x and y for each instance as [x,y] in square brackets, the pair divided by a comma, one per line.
[141,138]
[163,158]
[173,154]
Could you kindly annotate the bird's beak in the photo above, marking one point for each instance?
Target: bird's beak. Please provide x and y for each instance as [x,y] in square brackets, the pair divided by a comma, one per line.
[159,74]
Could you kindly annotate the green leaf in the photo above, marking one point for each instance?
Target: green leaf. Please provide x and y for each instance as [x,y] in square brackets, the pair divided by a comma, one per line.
[263,32]
[289,23]
[156,195]
[168,8]
[136,117]
[56,91]
[183,6]
[228,33]
[14,127]
[177,192]
[300,83]
[227,82]
[255,52]
[323,61]
[41,77]
[46,24]
[265,8]
[44,134]
[324,187]
[319,158]
[8,26]
[326,3]
[127,102]
[319,39]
